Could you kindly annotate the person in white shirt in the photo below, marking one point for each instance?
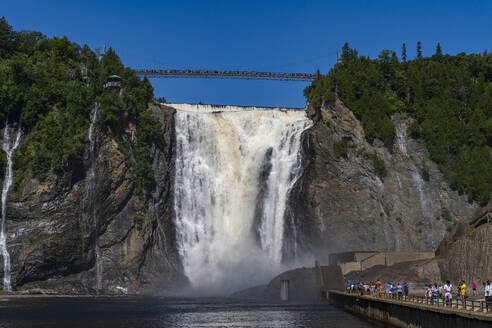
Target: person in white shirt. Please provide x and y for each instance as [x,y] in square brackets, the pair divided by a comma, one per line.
[488,291]
[448,290]
[435,293]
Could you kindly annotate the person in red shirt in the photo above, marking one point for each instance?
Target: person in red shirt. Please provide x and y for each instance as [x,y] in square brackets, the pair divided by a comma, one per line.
[378,288]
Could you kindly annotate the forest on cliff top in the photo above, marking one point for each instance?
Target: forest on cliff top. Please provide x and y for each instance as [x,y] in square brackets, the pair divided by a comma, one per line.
[44,91]
[449,98]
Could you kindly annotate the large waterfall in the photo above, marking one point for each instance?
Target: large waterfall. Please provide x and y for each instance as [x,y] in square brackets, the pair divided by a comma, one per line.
[235,167]
[9,147]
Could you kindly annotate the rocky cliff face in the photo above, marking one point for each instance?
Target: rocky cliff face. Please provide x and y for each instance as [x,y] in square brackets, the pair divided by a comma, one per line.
[52,238]
[468,257]
[465,252]
[341,204]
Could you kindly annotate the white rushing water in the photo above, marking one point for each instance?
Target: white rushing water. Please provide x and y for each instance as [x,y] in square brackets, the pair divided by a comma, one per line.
[9,149]
[419,185]
[91,201]
[401,141]
[235,167]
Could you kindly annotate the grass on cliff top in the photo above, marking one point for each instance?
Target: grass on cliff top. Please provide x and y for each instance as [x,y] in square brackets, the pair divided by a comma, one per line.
[449,98]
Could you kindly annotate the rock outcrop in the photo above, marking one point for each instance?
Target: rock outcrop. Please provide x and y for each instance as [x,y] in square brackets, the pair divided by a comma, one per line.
[465,252]
[51,237]
[342,204]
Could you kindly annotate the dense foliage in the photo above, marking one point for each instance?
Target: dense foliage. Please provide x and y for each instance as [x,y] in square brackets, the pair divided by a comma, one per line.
[44,89]
[450,98]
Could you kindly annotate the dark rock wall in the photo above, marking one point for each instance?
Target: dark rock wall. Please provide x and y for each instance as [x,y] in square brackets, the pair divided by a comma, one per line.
[51,235]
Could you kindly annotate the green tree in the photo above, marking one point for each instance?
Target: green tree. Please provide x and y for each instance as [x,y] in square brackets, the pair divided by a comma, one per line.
[6,38]
[419,50]
[348,53]
[404,53]
[438,50]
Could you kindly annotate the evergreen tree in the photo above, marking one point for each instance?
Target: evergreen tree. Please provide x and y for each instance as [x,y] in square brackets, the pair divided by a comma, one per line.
[404,53]
[348,53]
[438,53]
[419,50]
[6,36]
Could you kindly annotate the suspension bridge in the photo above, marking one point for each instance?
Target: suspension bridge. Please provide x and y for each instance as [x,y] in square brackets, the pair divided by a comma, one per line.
[216,74]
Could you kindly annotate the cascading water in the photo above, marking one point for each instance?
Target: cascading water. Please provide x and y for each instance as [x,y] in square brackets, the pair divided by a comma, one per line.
[7,182]
[90,199]
[235,167]
[419,185]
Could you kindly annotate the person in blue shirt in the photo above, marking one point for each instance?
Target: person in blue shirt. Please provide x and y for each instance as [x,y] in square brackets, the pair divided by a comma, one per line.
[388,287]
[405,289]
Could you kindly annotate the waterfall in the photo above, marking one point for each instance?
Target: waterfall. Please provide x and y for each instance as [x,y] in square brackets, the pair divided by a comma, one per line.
[235,167]
[419,185]
[401,141]
[9,150]
[90,197]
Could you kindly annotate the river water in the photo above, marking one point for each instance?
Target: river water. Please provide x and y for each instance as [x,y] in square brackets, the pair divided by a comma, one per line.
[133,312]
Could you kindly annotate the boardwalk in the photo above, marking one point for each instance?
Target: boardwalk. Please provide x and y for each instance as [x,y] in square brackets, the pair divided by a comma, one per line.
[216,74]
[414,311]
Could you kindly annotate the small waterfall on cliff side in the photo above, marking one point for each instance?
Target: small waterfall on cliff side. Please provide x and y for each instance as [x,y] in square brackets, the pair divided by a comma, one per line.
[91,193]
[419,185]
[7,182]
[235,167]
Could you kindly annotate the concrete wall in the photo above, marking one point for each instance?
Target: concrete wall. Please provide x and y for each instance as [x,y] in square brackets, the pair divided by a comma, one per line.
[363,256]
[391,312]
[349,267]
[336,258]
[306,284]
[376,259]
[359,261]
[393,258]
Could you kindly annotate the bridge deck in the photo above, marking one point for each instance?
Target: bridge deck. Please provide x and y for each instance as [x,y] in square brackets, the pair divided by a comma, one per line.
[216,74]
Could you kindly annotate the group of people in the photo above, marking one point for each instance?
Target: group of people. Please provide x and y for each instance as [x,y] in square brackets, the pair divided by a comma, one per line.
[376,288]
[437,292]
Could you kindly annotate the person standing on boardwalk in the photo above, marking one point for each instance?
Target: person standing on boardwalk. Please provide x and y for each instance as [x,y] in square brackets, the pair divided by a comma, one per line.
[400,290]
[405,289]
[488,293]
[448,290]
[435,293]
[474,288]
[378,288]
[463,290]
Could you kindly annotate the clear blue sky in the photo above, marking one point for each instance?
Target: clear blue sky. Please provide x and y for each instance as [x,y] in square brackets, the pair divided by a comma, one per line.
[295,36]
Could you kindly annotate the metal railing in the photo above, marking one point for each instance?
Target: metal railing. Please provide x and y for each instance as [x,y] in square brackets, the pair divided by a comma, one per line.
[216,74]
[479,306]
